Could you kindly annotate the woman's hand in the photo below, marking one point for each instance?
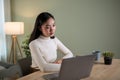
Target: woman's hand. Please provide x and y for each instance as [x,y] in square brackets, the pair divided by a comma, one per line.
[58,61]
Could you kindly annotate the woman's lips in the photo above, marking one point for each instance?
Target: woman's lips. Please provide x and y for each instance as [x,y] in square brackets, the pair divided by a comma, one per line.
[51,33]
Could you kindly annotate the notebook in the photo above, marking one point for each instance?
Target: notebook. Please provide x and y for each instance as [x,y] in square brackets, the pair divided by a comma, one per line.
[74,68]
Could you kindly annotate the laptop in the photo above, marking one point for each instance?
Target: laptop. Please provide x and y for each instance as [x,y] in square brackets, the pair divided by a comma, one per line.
[74,68]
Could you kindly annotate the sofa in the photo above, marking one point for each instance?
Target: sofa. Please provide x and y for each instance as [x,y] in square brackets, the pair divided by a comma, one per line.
[13,71]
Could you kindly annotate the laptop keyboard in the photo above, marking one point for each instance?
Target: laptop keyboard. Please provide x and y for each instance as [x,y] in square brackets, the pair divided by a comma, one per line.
[53,76]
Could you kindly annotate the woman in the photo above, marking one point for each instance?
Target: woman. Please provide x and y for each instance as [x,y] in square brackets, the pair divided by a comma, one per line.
[44,45]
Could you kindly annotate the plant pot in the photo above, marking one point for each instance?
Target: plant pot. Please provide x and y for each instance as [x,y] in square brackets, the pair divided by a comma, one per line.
[107,60]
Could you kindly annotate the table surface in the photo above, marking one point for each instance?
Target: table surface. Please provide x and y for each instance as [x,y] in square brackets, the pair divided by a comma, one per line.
[100,71]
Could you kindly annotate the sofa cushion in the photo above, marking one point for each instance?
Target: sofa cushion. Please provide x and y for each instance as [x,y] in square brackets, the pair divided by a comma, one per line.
[1,68]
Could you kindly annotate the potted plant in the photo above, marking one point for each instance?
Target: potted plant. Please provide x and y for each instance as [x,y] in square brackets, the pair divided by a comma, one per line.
[25,46]
[108,57]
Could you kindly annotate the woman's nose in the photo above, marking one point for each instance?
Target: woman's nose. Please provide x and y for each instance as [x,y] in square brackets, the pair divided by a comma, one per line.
[51,28]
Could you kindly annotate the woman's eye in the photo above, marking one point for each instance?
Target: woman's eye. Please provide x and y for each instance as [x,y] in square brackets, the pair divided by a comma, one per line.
[47,27]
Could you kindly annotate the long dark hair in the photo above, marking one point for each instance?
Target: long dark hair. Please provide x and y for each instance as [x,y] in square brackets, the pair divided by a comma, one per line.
[40,20]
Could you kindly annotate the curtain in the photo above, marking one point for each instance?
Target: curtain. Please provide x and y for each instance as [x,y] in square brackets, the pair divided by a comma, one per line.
[3,54]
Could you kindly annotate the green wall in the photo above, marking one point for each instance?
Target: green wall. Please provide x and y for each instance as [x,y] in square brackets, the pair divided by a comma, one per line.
[82,25]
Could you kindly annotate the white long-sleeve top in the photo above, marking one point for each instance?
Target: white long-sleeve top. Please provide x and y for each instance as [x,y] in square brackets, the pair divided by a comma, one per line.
[44,53]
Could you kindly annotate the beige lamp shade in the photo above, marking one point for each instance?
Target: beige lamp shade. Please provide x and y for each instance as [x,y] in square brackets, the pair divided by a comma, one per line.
[14,28]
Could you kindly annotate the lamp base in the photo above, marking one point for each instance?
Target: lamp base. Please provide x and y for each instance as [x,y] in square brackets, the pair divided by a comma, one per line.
[13,52]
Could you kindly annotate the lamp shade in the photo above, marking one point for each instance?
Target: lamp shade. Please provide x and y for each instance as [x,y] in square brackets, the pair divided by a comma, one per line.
[14,28]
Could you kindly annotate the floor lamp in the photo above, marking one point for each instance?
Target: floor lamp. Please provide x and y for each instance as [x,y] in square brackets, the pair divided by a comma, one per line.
[14,29]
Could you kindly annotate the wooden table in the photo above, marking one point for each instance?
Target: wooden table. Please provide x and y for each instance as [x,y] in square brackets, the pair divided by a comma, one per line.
[100,71]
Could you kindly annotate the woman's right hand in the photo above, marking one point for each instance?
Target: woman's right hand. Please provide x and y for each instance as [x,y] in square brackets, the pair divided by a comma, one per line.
[58,61]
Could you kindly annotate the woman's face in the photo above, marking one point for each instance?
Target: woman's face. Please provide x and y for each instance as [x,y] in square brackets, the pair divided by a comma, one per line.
[48,28]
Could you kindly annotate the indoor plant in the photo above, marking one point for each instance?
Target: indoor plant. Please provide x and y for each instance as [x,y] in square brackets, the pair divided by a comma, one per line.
[25,46]
[108,57]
